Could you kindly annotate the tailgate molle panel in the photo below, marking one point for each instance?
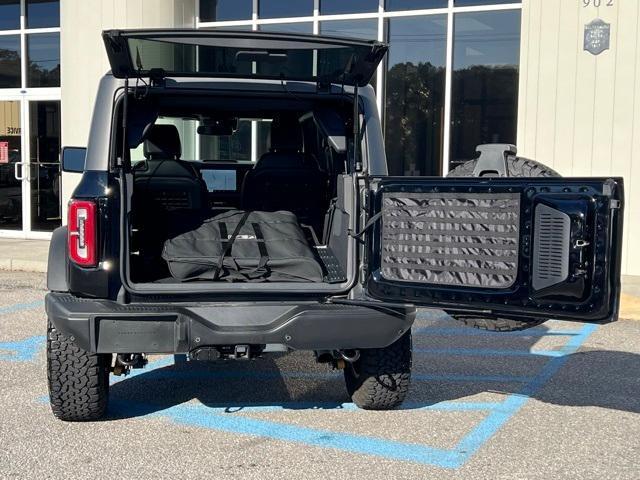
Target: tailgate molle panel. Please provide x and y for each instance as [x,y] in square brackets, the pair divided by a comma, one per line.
[461,239]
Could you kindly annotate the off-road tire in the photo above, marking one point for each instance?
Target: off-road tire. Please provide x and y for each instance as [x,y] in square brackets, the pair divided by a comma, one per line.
[380,378]
[518,167]
[78,380]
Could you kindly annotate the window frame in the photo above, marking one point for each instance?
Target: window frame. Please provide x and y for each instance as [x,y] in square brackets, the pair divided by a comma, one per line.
[24,32]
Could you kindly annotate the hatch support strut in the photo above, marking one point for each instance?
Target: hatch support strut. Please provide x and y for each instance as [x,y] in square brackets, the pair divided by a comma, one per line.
[356,127]
[125,114]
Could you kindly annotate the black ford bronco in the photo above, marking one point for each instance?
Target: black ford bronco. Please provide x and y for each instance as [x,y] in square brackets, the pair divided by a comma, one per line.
[181,240]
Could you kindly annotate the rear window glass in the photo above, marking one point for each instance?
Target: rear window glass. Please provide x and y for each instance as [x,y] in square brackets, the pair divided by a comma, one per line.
[273,58]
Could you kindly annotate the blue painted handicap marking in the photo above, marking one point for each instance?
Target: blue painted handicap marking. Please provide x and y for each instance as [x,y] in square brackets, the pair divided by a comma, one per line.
[22,350]
[228,418]
[17,307]
[204,417]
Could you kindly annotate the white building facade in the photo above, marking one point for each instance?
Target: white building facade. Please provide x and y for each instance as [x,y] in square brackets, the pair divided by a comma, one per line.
[538,73]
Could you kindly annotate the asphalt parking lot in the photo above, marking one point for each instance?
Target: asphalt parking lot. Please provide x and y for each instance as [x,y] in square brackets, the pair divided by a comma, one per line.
[561,400]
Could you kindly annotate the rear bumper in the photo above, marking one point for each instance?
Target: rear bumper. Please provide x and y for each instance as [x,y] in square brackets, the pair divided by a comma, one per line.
[103,326]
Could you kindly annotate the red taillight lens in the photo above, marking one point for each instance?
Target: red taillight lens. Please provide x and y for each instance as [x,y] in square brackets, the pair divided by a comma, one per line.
[82,233]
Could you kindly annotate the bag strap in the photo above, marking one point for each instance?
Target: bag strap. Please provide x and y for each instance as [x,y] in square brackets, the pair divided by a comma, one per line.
[224,235]
[358,236]
[261,270]
[229,244]
[328,220]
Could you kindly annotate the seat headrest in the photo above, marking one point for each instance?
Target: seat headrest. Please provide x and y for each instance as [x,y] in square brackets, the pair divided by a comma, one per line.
[165,168]
[285,136]
[287,162]
[162,142]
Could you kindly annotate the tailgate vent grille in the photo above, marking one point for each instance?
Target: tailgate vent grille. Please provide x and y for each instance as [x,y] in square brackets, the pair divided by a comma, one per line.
[461,239]
[551,247]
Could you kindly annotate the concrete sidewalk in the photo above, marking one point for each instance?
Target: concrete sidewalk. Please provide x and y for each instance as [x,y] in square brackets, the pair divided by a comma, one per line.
[31,256]
[23,255]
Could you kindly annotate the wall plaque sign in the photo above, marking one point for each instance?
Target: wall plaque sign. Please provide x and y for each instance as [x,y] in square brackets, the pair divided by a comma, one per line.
[597,36]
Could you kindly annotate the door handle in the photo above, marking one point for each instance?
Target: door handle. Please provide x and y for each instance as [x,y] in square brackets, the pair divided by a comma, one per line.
[18,166]
[24,174]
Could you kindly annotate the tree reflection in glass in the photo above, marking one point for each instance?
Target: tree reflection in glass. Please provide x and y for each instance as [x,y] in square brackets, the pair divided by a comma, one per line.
[414,95]
[485,81]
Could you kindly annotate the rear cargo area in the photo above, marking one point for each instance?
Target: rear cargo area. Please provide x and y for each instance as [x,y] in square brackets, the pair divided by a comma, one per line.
[241,246]
[222,218]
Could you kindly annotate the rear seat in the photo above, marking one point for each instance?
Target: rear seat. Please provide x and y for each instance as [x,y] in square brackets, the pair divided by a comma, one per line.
[169,197]
[163,181]
[287,178]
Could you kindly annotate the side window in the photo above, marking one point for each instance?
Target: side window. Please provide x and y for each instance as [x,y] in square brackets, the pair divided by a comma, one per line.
[264,130]
[137,154]
[187,131]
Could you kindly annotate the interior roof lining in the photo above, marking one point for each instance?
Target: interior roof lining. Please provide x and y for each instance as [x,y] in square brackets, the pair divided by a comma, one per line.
[179,106]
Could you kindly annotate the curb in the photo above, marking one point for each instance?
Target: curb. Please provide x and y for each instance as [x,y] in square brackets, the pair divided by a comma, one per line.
[16,265]
[629,307]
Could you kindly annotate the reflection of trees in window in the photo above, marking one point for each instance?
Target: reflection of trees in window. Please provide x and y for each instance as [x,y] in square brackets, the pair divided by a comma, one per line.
[9,68]
[484,109]
[414,118]
[40,76]
[43,60]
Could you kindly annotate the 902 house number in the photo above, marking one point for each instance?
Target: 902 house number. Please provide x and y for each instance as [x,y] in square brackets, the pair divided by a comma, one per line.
[597,3]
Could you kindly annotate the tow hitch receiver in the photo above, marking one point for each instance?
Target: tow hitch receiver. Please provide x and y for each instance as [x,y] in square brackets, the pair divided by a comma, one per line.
[242,352]
[226,352]
[205,354]
[125,362]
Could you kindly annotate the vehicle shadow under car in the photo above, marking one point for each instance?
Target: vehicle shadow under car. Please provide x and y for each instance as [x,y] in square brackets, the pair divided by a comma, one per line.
[469,367]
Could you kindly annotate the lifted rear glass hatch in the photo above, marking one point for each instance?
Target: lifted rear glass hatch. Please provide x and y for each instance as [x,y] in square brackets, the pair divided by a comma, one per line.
[260,55]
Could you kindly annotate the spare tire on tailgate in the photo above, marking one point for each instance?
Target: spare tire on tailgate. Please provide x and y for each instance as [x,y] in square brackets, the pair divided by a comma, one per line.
[515,167]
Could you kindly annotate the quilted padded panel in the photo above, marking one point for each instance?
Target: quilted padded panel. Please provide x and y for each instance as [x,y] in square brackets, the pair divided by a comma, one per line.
[469,240]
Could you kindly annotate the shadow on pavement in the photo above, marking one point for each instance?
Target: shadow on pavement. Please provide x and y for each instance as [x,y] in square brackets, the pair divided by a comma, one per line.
[606,379]
[231,385]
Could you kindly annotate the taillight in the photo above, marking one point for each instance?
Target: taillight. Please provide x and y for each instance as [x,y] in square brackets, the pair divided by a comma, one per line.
[82,233]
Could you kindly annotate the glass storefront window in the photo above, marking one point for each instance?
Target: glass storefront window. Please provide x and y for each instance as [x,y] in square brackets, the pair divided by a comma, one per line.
[10,61]
[414,94]
[367,29]
[485,81]
[232,27]
[43,13]
[43,57]
[9,14]
[221,10]
[394,5]
[44,147]
[285,8]
[302,27]
[335,7]
[10,154]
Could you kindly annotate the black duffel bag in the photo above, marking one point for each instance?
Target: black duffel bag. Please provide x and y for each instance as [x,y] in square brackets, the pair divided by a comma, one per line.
[244,246]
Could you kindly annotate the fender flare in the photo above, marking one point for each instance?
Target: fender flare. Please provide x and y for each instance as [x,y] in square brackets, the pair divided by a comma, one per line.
[57,263]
